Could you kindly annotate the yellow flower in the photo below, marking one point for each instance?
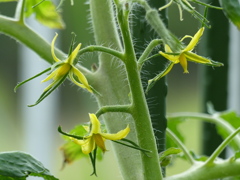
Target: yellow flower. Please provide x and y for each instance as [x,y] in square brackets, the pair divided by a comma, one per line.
[66,68]
[97,138]
[186,54]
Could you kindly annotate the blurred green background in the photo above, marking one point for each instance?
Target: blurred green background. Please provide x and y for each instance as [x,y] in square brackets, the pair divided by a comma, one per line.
[72,105]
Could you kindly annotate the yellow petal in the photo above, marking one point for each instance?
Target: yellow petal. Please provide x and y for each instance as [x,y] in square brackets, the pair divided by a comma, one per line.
[62,70]
[79,142]
[187,36]
[183,62]
[81,78]
[120,135]
[194,40]
[99,142]
[88,146]
[165,72]
[167,49]
[173,58]
[95,124]
[73,55]
[58,73]
[50,76]
[52,49]
[196,58]
[71,76]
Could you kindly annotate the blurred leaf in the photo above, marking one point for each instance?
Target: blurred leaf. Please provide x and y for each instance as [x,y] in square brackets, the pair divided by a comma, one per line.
[165,156]
[233,119]
[7,0]
[197,157]
[73,151]
[18,166]
[231,9]
[236,156]
[45,12]
[173,125]
[169,151]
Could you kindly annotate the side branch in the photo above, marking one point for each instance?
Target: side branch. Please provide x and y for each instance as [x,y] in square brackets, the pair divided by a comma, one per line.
[94,48]
[221,147]
[147,52]
[180,145]
[115,108]
[32,40]
[28,37]
[208,118]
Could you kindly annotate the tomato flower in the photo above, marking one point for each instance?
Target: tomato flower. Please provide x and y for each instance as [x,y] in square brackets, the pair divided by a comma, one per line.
[96,137]
[63,68]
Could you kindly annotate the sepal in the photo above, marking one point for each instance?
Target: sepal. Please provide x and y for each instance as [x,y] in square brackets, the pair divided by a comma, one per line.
[23,82]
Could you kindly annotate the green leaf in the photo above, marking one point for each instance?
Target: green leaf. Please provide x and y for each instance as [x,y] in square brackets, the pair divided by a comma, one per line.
[45,12]
[18,166]
[233,119]
[231,9]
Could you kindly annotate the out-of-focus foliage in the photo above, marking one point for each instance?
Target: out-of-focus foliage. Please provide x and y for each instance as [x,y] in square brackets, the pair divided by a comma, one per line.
[233,119]
[7,0]
[45,12]
[231,9]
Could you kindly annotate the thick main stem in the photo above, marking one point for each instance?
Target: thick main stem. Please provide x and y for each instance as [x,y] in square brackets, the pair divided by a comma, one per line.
[110,81]
[140,112]
[143,124]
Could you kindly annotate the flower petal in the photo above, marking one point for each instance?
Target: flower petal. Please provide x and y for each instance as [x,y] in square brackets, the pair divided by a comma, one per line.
[73,55]
[99,142]
[52,49]
[50,76]
[165,72]
[194,40]
[167,49]
[121,134]
[196,58]
[183,62]
[81,78]
[87,145]
[95,124]
[173,58]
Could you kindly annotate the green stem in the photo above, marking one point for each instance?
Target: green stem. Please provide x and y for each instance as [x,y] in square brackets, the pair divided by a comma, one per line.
[208,118]
[28,37]
[116,108]
[221,147]
[107,50]
[143,124]
[147,51]
[219,170]
[32,40]
[140,113]
[157,24]
[181,145]
[19,14]
[110,81]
